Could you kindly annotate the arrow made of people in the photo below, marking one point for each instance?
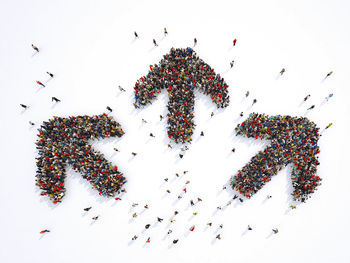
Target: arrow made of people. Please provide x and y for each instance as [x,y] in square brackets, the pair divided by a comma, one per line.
[64,141]
[293,141]
[180,72]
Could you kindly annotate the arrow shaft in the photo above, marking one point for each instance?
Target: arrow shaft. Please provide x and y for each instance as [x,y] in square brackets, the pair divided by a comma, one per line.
[253,176]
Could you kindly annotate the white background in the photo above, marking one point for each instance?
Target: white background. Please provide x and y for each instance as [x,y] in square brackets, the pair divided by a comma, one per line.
[90,47]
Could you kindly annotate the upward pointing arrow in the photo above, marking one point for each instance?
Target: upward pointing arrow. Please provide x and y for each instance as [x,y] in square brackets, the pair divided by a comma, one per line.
[64,141]
[293,141]
[180,72]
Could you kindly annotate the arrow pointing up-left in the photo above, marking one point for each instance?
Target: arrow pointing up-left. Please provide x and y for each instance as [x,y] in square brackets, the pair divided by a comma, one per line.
[64,141]
[180,72]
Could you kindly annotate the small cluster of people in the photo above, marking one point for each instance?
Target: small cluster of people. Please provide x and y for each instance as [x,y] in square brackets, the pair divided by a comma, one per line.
[293,141]
[180,72]
[64,141]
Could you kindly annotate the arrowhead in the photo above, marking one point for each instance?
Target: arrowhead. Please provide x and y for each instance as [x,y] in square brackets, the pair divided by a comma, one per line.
[293,140]
[180,72]
[64,141]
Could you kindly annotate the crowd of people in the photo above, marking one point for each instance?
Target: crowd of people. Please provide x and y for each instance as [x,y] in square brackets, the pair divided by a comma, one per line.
[64,141]
[180,72]
[293,141]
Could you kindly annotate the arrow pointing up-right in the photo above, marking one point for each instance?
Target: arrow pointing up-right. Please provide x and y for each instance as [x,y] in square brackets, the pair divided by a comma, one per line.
[180,72]
[293,140]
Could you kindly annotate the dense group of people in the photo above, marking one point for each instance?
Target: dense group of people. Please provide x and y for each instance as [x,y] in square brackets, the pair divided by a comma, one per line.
[180,72]
[64,141]
[293,141]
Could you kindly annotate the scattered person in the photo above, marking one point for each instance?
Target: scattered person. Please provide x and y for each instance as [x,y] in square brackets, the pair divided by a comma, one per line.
[293,207]
[50,74]
[136,35]
[165,32]
[329,125]
[35,48]
[168,191]
[95,218]
[212,114]
[269,196]
[181,155]
[159,219]
[313,106]
[148,240]
[41,84]
[170,231]
[151,134]
[134,204]
[134,237]
[241,114]
[44,231]
[144,121]
[147,226]
[234,42]
[109,109]
[24,106]
[210,224]
[191,228]
[175,241]
[306,98]
[275,230]
[121,89]
[329,96]
[192,203]
[116,149]
[233,150]
[155,43]
[195,41]
[202,133]
[160,117]
[166,179]
[218,237]
[55,99]
[282,71]
[146,206]
[330,73]
[254,101]
[249,227]
[31,123]
[87,208]
[231,63]
[134,154]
